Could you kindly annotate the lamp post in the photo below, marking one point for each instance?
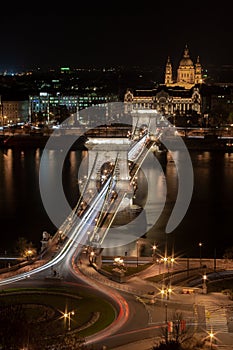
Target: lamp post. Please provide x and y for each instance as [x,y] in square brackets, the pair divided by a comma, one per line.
[137,252]
[1,114]
[204,286]
[92,254]
[211,335]
[166,292]
[154,247]
[200,245]
[67,315]
[169,291]
[166,325]
[29,253]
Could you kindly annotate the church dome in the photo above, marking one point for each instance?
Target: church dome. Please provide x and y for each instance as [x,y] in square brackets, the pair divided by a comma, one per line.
[186,60]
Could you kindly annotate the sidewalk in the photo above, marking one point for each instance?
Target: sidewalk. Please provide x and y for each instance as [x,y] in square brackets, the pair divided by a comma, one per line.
[145,344]
[138,286]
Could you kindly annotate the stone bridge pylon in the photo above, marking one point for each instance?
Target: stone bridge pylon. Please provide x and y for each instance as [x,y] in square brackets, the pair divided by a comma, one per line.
[146,120]
[107,155]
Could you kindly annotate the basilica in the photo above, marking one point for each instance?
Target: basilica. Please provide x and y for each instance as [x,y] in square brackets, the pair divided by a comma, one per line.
[178,97]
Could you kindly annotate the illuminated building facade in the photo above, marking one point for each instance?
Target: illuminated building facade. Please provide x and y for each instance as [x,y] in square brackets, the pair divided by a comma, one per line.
[46,106]
[187,75]
[178,97]
[14,112]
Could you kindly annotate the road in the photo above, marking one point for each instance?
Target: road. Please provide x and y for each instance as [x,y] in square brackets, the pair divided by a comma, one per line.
[134,324]
[133,319]
[131,316]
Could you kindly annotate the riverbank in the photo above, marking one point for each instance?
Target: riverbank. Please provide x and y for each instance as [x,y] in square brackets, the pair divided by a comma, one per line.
[39,140]
[211,143]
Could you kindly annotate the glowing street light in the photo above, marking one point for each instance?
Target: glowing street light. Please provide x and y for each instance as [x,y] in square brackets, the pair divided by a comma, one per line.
[154,247]
[204,286]
[200,245]
[211,335]
[137,252]
[166,292]
[212,338]
[169,291]
[67,316]
[92,254]
[29,253]
[162,292]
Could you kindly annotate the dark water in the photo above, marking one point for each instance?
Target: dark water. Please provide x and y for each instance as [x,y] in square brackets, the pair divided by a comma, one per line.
[209,216]
[208,219]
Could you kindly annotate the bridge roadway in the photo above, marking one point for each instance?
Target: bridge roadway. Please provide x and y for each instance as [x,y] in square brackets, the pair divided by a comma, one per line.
[72,236]
[73,233]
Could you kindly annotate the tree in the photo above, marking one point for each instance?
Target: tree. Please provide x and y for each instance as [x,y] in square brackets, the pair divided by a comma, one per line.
[25,248]
[178,336]
[13,326]
[228,254]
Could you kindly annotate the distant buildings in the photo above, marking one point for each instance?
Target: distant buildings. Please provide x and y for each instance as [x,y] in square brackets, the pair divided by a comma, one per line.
[184,98]
[13,112]
[47,107]
[186,95]
[187,75]
[51,96]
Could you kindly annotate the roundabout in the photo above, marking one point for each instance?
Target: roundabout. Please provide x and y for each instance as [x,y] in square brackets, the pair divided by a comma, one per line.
[50,316]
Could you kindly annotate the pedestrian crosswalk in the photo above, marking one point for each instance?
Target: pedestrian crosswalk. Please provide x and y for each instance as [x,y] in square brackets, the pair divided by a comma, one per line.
[215,315]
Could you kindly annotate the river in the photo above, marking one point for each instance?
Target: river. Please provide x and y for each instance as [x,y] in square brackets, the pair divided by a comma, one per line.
[207,220]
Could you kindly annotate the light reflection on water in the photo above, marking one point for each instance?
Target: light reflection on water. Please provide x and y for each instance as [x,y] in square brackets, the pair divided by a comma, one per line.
[208,219]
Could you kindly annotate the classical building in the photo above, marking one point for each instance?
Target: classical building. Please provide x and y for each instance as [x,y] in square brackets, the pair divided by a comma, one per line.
[179,96]
[187,75]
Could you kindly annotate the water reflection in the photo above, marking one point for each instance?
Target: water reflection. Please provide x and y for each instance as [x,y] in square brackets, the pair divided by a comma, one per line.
[208,219]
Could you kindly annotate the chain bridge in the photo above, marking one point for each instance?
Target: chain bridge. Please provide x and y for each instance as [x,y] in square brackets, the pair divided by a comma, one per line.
[109,188]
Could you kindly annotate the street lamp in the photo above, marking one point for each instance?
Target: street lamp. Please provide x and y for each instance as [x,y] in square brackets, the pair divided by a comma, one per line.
[154,247]
[162,292]
[67,315]
[169,291]
[29,253]
[200,245]
[211,337]
[166,292]
[137,252]
[166,325]
[92,254]
[204,286]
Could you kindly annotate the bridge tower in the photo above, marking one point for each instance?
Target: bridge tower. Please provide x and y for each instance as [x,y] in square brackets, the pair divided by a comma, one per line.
[104,155]
[145,120]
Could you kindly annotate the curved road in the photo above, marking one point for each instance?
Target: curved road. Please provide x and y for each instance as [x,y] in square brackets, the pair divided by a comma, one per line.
[131,319]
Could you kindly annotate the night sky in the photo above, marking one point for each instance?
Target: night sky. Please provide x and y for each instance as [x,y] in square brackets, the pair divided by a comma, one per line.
[105,36]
